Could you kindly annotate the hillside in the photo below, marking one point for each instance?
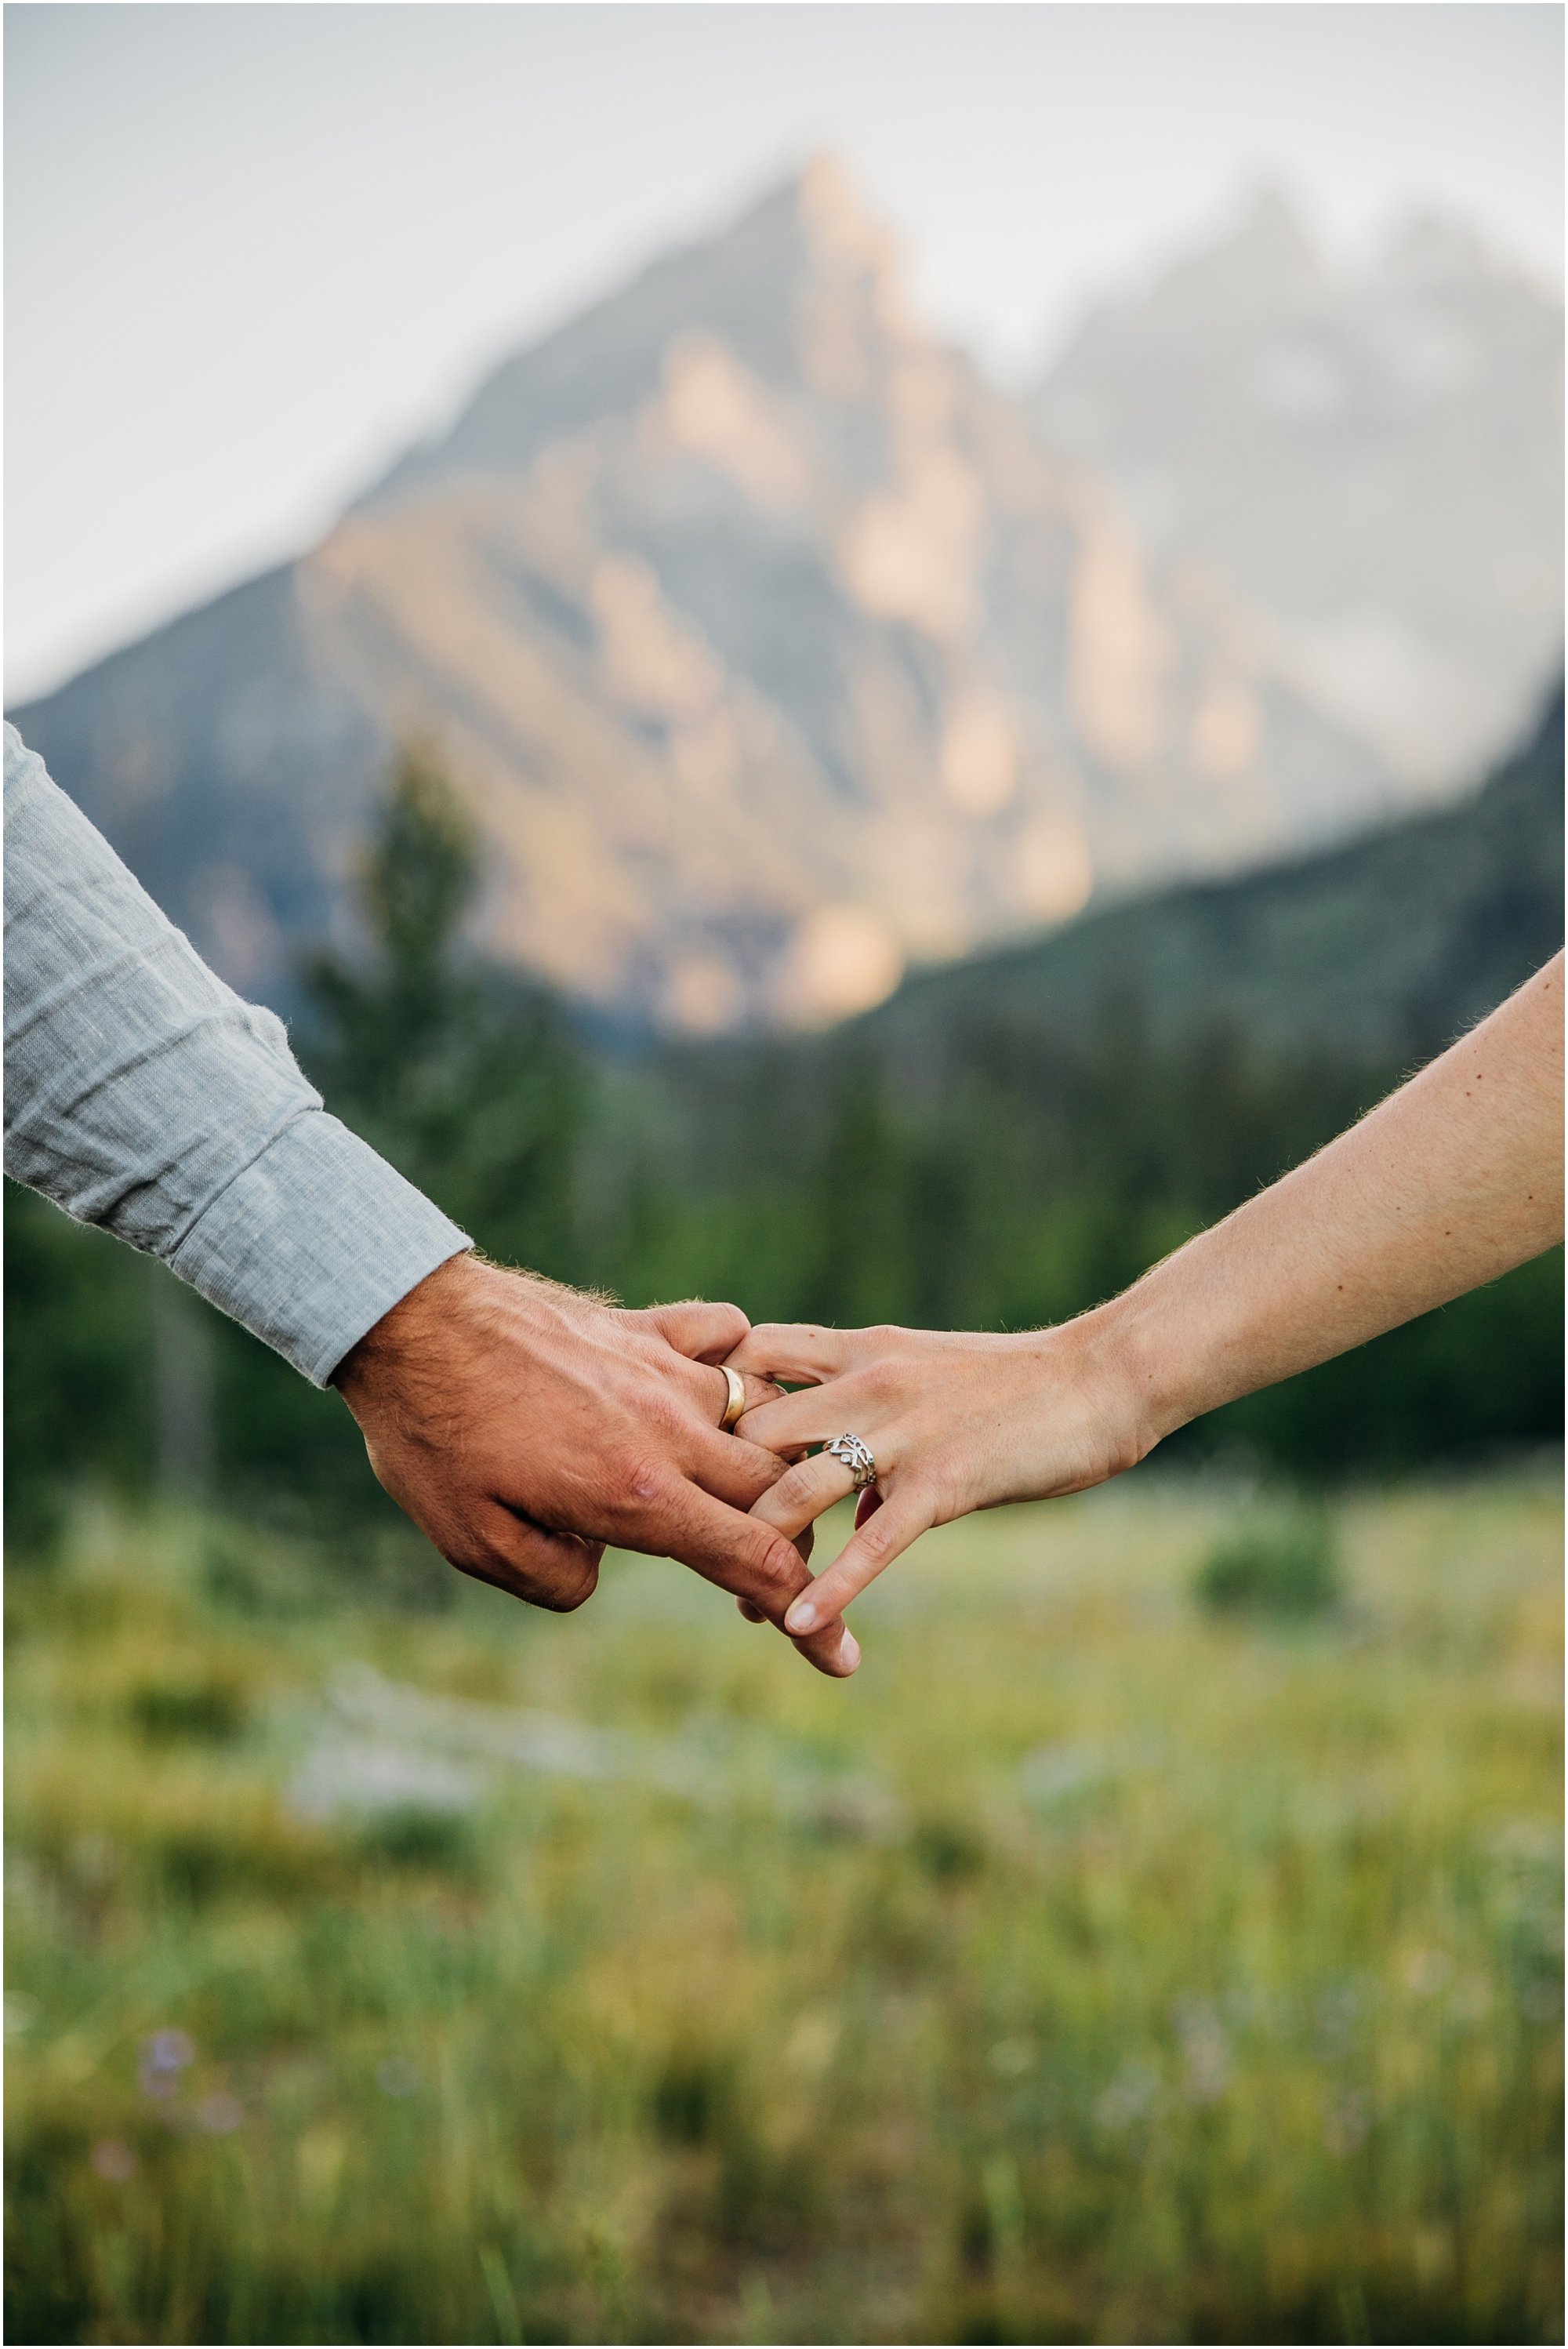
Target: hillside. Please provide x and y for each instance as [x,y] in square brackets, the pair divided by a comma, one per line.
[775,651]
[1380,950]
[1003,1144]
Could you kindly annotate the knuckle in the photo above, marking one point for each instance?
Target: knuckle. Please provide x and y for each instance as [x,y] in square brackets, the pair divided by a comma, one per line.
[635,1483]
[781,1567]
[669,1409]
[567,1590]
[944,1500]
[879,1535]
[797,1485]
[872,1538]
[767,1476]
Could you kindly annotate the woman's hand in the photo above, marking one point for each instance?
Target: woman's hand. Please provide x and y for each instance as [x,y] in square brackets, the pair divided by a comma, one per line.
[1456,1178]
[954,1423]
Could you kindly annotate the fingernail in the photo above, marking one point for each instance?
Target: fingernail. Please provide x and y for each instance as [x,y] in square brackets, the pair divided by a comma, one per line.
[849,1651]
[802,1616]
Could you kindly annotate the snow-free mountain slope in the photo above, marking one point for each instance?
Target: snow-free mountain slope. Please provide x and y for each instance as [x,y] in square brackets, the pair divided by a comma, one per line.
[775,651]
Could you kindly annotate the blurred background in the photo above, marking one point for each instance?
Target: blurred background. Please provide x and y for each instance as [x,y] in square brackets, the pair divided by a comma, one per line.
[870,659]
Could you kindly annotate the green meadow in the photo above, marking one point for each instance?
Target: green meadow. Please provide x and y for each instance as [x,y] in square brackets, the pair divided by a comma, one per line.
[390,1964]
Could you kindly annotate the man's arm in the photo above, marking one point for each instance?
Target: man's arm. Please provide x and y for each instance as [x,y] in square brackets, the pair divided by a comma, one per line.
[142,1094]
[506,1415]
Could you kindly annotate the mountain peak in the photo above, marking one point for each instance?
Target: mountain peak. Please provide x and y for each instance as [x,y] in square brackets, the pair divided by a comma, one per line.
[1262,260]
[840,225]
[1429,249]
[772,648]
[758,284]
[1271,224]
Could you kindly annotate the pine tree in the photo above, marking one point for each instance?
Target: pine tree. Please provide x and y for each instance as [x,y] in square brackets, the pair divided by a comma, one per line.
[469,1081]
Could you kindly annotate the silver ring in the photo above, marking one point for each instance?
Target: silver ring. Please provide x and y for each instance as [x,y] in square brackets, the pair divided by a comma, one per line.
[854,1455]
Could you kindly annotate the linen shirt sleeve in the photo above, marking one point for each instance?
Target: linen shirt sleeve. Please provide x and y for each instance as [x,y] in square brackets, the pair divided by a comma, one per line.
[142,1093]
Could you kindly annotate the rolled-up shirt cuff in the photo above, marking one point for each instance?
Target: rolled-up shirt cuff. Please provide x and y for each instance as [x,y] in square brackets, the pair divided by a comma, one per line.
[314,1242]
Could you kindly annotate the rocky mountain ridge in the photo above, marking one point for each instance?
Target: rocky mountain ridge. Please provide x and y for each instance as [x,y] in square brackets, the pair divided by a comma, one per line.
[774,650]
[1368,463]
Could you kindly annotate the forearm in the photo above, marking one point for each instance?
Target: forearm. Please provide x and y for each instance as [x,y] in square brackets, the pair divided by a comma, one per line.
[1453,1180]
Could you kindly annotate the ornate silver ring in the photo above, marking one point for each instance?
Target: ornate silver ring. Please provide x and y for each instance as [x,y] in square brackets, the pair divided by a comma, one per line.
[854,1455]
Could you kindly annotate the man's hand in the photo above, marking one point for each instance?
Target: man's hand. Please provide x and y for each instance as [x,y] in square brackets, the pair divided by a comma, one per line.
[523,1426]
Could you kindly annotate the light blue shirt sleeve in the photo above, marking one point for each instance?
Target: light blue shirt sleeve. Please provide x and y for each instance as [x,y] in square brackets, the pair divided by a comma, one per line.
[142,1094]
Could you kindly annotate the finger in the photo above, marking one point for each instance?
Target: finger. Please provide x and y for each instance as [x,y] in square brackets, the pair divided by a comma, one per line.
[802,1492]
[805,1542]
[714,1385]
[756,1562]
[904,1515]
[708,1389]
[530,1562]
[814,1415]
[799,1352]
[702,1333]
[726,1466]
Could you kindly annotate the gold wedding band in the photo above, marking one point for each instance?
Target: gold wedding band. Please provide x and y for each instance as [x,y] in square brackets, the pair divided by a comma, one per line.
[736,1403]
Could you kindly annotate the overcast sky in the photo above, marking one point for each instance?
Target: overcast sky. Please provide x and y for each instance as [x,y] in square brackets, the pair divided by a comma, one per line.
[253,250]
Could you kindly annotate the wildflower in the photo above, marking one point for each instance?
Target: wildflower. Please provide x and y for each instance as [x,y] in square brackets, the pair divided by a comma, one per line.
[164,2056]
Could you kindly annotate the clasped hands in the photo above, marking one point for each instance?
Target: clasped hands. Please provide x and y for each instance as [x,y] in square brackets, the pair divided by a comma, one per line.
[500,1409]
[524,1426]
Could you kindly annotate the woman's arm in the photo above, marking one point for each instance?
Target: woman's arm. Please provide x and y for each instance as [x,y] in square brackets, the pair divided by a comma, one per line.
[1454,1179]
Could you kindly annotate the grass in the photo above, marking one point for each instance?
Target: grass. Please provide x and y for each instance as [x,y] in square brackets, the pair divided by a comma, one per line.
[1091,1969]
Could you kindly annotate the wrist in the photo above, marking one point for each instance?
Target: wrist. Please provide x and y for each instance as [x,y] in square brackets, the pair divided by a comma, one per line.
[1129,1368]
[405,1332]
